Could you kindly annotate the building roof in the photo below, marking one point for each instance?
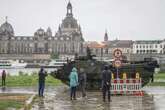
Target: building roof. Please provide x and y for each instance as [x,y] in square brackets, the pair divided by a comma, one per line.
[119,44]
[94,44]
[148,41]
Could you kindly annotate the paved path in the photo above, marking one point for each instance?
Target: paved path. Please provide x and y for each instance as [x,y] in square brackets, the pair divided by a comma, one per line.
[93,102]
[56,99]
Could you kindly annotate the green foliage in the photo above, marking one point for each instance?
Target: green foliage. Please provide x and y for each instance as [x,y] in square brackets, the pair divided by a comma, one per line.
[158,78]
[10,104]
[20,73]
[89,55]
[55,56]
[157,84]
[30,80]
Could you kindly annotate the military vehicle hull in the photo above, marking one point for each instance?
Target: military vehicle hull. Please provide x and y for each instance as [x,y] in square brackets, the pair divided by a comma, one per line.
[94,68]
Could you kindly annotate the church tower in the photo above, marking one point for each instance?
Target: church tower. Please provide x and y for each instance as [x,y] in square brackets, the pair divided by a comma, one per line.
[106,36]
[69,10]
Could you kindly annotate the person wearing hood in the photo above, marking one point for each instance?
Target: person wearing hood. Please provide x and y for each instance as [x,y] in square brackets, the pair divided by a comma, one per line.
[73,83]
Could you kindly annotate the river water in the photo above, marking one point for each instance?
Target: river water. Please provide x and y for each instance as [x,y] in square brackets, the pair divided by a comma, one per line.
[13,71]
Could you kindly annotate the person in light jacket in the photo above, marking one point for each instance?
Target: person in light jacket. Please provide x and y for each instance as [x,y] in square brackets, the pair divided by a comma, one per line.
[73,83]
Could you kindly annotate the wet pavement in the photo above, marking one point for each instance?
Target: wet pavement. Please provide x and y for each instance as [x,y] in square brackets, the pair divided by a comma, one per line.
[57,98]
[61,101]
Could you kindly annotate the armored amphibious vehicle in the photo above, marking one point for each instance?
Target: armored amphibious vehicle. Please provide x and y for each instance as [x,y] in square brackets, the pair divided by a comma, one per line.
[93,70]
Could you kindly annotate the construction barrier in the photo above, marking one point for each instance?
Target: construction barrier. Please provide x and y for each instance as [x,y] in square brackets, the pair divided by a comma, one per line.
[126,86]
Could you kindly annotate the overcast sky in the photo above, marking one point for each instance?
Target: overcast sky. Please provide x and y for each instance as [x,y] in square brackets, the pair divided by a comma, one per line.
[123,19]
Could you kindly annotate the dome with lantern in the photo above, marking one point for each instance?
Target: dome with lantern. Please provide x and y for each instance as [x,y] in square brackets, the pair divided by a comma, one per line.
[40,32]
[6,28]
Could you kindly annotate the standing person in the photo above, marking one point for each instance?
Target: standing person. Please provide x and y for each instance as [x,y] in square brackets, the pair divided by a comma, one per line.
[73,83]
[106,83]
[3,78]
[82,81]
[42,74]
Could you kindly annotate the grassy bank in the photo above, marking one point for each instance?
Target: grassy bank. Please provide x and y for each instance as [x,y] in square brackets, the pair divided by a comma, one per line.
[10,104]
[12,101]
[30,80]
[159,79]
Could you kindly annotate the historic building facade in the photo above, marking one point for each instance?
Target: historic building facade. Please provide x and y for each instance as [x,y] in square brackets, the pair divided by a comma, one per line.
[149,47]
[67,40]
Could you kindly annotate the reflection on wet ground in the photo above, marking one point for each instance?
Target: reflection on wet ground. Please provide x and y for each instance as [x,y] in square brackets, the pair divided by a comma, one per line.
[56,99]
[94,102]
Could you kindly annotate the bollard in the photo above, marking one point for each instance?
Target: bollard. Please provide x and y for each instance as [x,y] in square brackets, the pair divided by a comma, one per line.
[124,75]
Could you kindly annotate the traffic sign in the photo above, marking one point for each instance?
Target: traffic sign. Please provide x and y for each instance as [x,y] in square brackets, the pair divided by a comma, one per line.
[117,63]
[117,53]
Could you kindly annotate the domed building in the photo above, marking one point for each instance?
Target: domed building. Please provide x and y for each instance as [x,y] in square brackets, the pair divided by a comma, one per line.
[70,34]
[6,29]
[6,32]
[67,40]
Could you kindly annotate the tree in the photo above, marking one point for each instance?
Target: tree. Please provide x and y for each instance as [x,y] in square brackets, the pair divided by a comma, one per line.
[89,56]
[54,56]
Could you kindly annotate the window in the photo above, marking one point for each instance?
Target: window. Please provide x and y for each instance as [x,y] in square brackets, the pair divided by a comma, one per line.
[147,51]
[50,38]
[62,38]
[150,46]
[136,46]
[137,51]
[106,51]
[155,46]
[55,38]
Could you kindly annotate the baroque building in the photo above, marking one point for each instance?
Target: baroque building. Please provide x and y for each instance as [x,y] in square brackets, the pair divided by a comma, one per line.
[67,40]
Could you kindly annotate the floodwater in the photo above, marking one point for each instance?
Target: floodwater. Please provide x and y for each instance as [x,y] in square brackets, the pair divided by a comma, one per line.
[60,101]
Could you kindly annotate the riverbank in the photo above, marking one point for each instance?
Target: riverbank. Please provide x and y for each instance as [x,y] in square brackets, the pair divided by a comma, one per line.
[159,79]
[30,80]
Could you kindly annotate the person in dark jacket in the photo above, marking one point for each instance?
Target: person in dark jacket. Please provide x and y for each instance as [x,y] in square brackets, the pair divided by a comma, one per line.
[106,83]
[82,81]
[42,74]
[3,78]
